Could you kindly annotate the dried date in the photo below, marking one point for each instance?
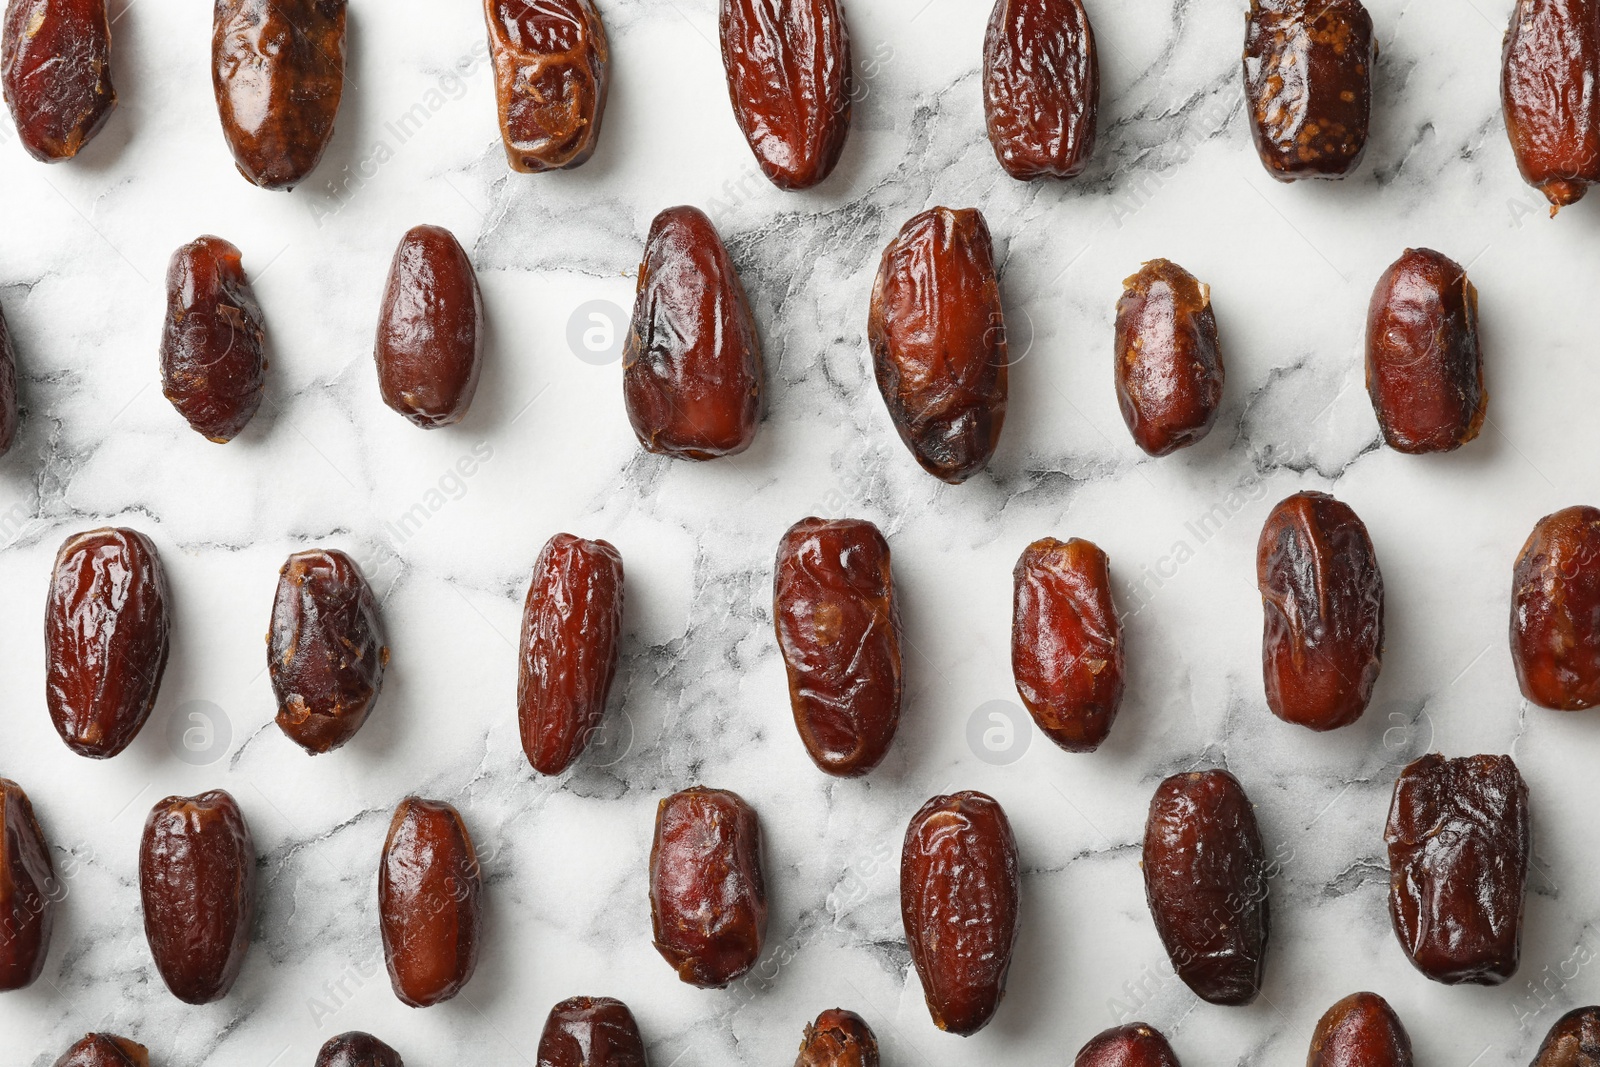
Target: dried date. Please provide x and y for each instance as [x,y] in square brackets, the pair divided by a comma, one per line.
[1041,87]
[430,331]
[1549,65]
[838,1038]
[1555,611]
[551,75]
[105,1050]
[1360,1031]
[1169,372]
[55,69]
[1132,1045]
[8,389]
[591,1032]
[430,902]
[355,1049]
[213,367]
[1574,1041]
[28,890]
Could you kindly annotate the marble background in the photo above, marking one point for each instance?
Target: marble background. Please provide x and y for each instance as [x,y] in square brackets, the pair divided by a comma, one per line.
[700,695]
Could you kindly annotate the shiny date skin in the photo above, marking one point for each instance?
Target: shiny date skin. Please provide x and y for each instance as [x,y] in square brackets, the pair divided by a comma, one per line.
[430,902]
[591,1032]
[1555,611]
[1066,641]
[960,889]
[55,70]
[1424,366]
[1041,87]
[691,366]
[788,67]
[1132,1045]
[708,897]
[571,640]
[8,389]
[1549,64]
[1205,879]
[1574,1041]
[1360,1031]
[839,631]
[325,651]
[430,331]
[197,877]
[1308,85]
[838,1038]
[939,341]
[1458,837]
[28,890]
[1322,612]
[356,1049]
[106,636]
[277,67]
[213,367]
[1169,373]
[551,73]
[105,1050]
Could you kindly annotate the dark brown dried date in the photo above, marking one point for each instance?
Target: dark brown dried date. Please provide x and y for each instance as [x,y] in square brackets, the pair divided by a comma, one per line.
[551,74]
[1322,612]
[1555,611]
[55,69]
[105,638]
[1574,1041]
[1041,87]
[197,878]
[1169,372]
[1132,1045]
[355,1049]
[691,368]
[430,331]
[325,651]
[212,364]
[1308,85]
[28,890]
[1360,1031]
[8,389]
[1458,836]
[571,640]
[1205,879]
[939,341]
[960,888]
[277,67]
[839,631]
[838,1038]
[1424,367]
[430,902]
[708,898]
[591,1032]
[105,1050]
[1549,65]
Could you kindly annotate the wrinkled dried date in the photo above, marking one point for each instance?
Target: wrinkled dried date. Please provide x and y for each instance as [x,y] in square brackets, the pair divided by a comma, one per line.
[571,638]
[1041,87]
[105,638]
[708,898]
[1205,879]
[839,631]
[55,69]
[1133,1045]
[1458,836]
[960,888]
[1169,372]
[8,389]
[212,364]
[355,1049]
[838,1038]
[939,341]
[1549,65]
[28,890]
[430,902]
[591,1032]
[1555,611]
[1322,612]
[430,331]
[551,74]
[1574,1041]
[197,876]
[105,1050]
[1360,1031]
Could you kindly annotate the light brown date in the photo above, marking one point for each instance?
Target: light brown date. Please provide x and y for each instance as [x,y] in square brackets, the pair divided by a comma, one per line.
[1555,611]
[1574,1041]
[1360,1031]
[356,1049]
[213,367]
[1549,66]
[55,69]
[838,1038]
[551,74]
[430,331]
[28,890]
[1132,1045]
[1169,373]
[430,902]
[591,1032]
[8,389]
[105,1050]
[1041,87]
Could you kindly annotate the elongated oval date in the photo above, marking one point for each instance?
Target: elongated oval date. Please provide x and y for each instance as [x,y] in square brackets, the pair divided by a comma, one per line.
[356,1049]
[1549,65]
[960,889]
[197,880]
[1169,372]
[105,1050]
[1322,612]
[839,631]
[1424,366]
[430,331]
[571,640]
[691,366]
[105,638]
[1555,611]
[430,902]
[1360,1031]
[213,368]
[1308,85]
[788,65]
[708,898]
[55,69]
[1066,641]
[939,341]
[1041,87]
[325,651]
[8,389]
[838,1038]
[1574,1041]
[277,67]
[1205,879]
[551,74]
[28,890]
[591,1032]
[1132,1045]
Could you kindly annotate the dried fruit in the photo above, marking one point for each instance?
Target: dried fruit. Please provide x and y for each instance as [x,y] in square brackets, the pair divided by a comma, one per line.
[591,1032]
[197,880]
[325,651]
[430,331]
[1205,879]
[551,62]
[1574,1041]
[1308,85]
[55,68]
[708,899]
[212,365]
[838,1038]
[1169,370]
[356,1049]
[960,888]
[571,636]
[939,341]
[28,890]
[691,367]
[1041,87]
[1549,65]
[8,389]
[105,639]
[839,631]
[788,66]
[105,1050]
[1322,612]
[1360,1031]
[430,902]
[1555,611]
[1133,1045]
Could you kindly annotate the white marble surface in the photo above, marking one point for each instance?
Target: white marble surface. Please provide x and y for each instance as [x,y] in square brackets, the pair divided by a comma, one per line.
[700,696]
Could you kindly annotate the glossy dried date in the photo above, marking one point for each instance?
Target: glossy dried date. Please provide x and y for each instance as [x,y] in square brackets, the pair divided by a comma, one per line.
[430,902]
[708,899]
[1041,87]
[1169,372]
[1360,1031]
[1322,612]
[551,74]
[430,331]
[213,368]
[1458,836]
[1549,65]
[1555,611]
[105,1050]
[1205,879]
[28,890]
[55,69]
[571,639]
[591,1032]
[355,1049]
[1574,1041]
[8,389]
[1132,1045]
[960,888]
[838,1038]
[939,341]
[105,639]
